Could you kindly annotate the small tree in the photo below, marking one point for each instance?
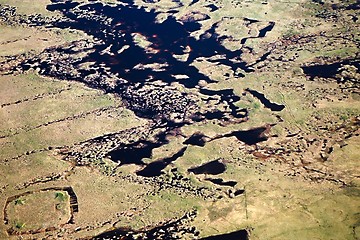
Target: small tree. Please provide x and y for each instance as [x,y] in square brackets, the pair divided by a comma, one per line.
[19,225]
[61,196]
[19,201]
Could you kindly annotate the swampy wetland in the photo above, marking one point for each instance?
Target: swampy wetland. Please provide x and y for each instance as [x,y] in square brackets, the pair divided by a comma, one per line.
[179,119]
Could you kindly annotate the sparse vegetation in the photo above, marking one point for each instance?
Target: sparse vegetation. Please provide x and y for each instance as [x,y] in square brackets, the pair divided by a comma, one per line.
[256,105]
[344,117]
[19,225]
[20,201]
[60,196]
[291,33]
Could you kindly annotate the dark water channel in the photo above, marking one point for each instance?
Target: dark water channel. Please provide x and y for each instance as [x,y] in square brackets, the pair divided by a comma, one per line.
[262,32]
[266,102]
[328,70]
[249,137]
[221,182]
[212,7]
[214,168]
[114,26]
[197,139]
[154,169]
[133,153]
[115,53]
[238,235]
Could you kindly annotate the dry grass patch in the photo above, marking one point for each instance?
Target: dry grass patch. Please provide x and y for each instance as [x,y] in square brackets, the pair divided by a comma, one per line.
[39,210]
